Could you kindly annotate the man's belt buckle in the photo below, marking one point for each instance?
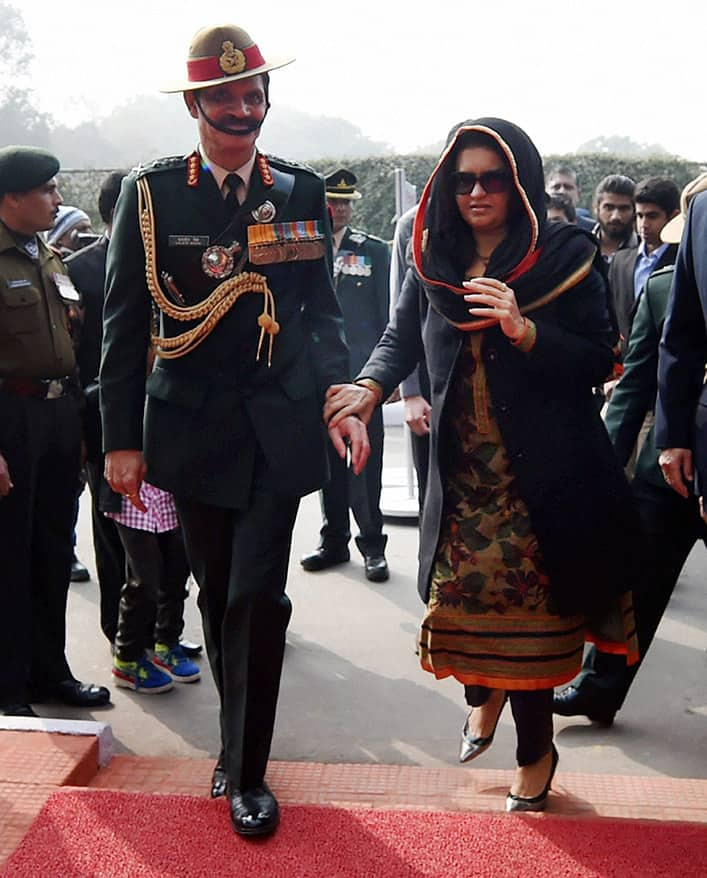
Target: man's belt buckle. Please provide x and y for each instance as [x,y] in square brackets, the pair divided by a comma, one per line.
[55,389]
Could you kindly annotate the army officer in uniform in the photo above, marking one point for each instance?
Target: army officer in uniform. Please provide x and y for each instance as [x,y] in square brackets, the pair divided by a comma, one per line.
[227,253]
[40,437]
[361,279]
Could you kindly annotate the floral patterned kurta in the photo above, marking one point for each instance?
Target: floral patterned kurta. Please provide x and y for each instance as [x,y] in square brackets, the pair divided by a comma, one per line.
[490,618]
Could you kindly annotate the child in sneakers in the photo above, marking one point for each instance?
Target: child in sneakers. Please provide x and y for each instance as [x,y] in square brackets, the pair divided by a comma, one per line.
[152,599]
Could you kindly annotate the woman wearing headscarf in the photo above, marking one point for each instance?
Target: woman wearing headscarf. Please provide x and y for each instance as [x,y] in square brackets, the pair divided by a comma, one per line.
[528,531]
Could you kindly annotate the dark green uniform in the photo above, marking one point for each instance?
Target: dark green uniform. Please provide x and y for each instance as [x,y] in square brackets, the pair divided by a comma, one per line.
[237,441]
[40,440]
[361,279]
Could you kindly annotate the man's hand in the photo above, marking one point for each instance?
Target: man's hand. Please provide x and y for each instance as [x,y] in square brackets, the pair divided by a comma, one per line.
[5,481]
[417,415]
[124,472]
[676,465]
[343,400]
[352,432]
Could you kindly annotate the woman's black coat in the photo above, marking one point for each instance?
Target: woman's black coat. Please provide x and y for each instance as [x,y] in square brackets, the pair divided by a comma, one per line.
[566,470]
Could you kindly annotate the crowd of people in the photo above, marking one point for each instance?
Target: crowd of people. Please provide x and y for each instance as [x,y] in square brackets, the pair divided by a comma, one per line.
[229,321]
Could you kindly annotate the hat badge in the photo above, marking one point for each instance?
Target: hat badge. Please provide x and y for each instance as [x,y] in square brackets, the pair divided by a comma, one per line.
[232,60]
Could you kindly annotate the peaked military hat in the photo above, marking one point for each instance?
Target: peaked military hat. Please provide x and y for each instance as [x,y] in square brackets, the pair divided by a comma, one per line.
[223,53]
[342,184]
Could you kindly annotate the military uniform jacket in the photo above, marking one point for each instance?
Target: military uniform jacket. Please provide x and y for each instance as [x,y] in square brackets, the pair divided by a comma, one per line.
[210,413]
[361,278]
[35,340]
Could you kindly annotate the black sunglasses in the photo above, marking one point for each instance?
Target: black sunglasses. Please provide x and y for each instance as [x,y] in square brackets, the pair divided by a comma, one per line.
[492,182]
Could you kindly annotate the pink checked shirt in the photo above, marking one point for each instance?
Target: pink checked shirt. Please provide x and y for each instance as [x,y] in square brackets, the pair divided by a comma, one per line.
[161,512]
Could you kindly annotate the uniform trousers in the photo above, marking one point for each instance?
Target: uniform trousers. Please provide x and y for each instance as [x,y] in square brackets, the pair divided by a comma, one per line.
[239,558]
[532,714]
[152,598]
[40,440]
[361,493]
[672,526]
[109,553]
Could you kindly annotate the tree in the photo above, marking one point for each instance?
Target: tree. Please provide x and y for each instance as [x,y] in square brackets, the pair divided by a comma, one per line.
[620,145]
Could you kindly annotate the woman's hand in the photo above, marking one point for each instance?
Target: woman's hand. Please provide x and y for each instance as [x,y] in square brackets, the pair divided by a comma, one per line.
[343,400]
[417,414]
[494,299]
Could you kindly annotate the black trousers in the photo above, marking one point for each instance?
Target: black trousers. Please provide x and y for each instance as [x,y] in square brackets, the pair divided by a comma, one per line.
[532,714]
[361,493]
[239,559]
[673,526]
[40,440]
[109,553]
[152,598]
[421,460]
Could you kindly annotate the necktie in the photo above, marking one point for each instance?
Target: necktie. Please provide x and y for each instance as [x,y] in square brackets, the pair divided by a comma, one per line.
[233,181]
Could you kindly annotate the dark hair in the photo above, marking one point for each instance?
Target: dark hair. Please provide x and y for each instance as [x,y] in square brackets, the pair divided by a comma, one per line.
[107,197]
[616,184]
[563,202]
[658,190]
[564,170]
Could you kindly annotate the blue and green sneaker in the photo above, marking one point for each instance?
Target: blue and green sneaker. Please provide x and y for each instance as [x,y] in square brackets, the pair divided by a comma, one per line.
[173,660]
[141,676]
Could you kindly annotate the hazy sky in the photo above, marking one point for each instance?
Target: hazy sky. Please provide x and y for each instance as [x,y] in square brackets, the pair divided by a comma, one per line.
[566,71]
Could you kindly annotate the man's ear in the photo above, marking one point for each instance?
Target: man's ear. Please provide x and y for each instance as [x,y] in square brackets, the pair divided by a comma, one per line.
[190,101]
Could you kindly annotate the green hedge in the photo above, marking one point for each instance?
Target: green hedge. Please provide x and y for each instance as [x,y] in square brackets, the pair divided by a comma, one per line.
[375,211]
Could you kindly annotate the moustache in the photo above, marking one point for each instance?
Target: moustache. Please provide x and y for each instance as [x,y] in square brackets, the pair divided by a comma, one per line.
[232,124]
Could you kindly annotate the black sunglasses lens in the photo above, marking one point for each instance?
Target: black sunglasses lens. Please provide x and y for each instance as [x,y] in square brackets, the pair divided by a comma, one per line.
[492,182]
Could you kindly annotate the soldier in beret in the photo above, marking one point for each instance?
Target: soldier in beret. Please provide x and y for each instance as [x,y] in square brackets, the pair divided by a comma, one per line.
[227,253]
[361,280]
[40,438]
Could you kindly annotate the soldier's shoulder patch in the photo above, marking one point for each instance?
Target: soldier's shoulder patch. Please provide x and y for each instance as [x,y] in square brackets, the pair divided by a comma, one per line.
[167,163]
[358,236]
[290,165]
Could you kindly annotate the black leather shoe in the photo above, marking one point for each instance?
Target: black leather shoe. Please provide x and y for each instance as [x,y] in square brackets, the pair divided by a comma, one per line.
[254,811]
[324,557]
[18,710]
[190,650]
[78,694]
[79,571]
[219,781]
[572,701]
[376,568]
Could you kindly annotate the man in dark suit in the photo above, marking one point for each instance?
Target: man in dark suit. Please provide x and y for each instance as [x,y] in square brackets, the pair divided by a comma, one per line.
[248,336]
[361,280]
[672,524]
[682,398]
[87,270]
[657,201]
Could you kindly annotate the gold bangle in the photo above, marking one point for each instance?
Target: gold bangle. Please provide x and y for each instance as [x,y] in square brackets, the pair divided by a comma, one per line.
[373,385]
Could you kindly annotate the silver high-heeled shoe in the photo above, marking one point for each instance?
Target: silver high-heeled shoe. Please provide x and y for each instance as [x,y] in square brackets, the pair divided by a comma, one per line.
[472,747]
[533,803]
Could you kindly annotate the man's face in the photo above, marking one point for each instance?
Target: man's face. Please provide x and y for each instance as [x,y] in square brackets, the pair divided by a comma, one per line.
[563,184]
[341,211]
[615,215]
[556,215]
[239,106]
[650,219]
[36,210]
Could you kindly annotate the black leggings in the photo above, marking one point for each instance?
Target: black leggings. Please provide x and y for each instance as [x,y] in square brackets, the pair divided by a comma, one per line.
[532,713]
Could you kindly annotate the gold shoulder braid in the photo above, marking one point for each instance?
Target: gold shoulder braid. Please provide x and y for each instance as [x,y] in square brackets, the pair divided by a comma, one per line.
[212,309]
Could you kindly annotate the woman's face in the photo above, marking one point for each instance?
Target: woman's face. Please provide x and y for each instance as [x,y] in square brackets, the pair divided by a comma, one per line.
[483,211]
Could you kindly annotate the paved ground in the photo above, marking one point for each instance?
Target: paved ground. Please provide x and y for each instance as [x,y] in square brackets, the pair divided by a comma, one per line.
[352,689]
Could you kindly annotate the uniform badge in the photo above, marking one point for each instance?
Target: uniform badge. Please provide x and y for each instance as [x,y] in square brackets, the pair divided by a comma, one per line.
[351,264]
[357,237]
[218,261]
[232,60]
[285,242]
[193,169]
[264,213]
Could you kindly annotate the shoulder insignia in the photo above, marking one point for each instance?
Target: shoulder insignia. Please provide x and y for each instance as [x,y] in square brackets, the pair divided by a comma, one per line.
[164,164]
[290,165]
[359,236]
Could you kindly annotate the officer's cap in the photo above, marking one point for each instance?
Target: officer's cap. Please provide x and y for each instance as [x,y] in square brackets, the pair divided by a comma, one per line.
[342,184]
[223,53]
[25,167]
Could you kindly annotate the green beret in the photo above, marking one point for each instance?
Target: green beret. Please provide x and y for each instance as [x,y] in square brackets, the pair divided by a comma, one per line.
[25,167]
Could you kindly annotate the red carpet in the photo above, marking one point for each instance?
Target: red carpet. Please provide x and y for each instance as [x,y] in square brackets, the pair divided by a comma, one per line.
[105,834]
